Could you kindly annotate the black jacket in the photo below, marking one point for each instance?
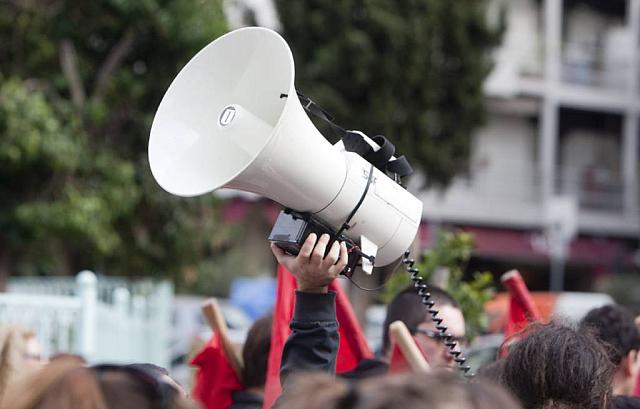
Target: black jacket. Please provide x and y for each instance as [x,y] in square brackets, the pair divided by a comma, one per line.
[245,400]
[313,343]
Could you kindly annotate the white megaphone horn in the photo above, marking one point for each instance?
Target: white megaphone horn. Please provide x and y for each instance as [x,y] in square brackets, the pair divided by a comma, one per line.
[231,118]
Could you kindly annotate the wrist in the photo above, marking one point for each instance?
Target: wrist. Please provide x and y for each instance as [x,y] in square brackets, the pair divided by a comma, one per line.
[313,290]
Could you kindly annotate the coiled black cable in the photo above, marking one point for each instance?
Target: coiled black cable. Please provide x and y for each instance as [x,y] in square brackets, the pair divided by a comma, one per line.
[447,337]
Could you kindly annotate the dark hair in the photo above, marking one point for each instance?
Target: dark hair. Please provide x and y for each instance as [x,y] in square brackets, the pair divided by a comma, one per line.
[435,390]
[557,365]
[625,402]
[255,353]
[68,383]
[492,371]
[147,367]
[613,325]
[407,307]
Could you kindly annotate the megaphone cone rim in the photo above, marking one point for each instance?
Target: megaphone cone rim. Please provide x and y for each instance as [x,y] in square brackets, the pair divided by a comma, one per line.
[183,71]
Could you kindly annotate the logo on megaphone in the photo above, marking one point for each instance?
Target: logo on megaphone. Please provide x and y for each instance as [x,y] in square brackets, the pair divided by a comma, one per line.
[227,115]
[231,119]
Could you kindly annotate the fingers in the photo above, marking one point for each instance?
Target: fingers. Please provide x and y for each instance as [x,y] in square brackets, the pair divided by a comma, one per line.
[277,251]
[280,254]
[319,250]
[344,256]
[307,246]
[343,261]
[331,257]
[312,255]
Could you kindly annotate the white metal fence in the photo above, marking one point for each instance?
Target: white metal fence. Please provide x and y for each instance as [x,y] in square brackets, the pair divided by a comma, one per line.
[104,319]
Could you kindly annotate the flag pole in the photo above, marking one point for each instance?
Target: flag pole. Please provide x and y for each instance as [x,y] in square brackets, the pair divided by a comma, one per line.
[213,314]
[408,347]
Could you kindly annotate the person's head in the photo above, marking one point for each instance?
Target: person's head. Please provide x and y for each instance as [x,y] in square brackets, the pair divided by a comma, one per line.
[407,307]
[255,353]
[68,384]
[558,366]
[492,371]
[19,354]
[160,373]
[407,391]
[615,327]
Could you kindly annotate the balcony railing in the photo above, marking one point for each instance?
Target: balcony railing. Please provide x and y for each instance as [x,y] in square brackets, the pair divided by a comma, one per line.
[513,180]
[598,67]
[595,188]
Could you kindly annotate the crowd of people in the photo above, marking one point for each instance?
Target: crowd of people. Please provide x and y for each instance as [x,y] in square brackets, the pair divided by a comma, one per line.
[594,364]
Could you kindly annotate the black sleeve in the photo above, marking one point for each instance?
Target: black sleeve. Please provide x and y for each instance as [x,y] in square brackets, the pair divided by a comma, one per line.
[313,343]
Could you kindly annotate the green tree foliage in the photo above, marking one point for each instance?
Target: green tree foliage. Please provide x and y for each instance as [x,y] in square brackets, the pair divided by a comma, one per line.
[80,84]
[411,70]
[451,252]
[52,189]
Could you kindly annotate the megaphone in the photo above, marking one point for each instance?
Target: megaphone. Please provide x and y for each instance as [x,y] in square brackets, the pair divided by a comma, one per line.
[232,119]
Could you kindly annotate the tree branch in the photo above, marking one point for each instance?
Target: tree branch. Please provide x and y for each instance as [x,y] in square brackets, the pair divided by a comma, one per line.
[112,63]
[69,63]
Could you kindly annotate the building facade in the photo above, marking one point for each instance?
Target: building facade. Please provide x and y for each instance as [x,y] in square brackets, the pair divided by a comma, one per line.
[564,111]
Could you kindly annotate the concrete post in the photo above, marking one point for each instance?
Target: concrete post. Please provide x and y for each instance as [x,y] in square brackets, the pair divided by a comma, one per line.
[630,144]
[549,112]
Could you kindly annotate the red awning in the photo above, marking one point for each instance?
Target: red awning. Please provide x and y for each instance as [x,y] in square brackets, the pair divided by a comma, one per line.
[530,245]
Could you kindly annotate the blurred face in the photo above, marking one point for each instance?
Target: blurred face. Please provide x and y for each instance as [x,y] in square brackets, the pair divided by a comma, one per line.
[427,337]
[626,375]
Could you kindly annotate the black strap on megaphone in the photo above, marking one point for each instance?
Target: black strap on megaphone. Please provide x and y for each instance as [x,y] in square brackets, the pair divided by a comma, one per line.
[381,159]
[354,142]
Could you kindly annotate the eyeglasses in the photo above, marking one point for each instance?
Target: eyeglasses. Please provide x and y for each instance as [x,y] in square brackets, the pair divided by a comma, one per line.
[437,335]
[163,391]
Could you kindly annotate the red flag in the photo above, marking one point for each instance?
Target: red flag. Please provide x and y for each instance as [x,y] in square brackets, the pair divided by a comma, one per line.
[353,345]
[215,379]
[282,313]
[522,309]
[398,363]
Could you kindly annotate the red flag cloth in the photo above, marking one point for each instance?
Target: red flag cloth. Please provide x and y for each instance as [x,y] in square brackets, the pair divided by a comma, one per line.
[215,379]
[282,313]
[637,391]
[522,309]
[353,345]
[398,363]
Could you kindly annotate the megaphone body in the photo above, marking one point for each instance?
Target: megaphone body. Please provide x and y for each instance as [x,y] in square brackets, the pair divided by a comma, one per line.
[231,118]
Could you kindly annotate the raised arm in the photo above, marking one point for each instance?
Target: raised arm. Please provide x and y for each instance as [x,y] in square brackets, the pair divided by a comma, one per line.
[313,343]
